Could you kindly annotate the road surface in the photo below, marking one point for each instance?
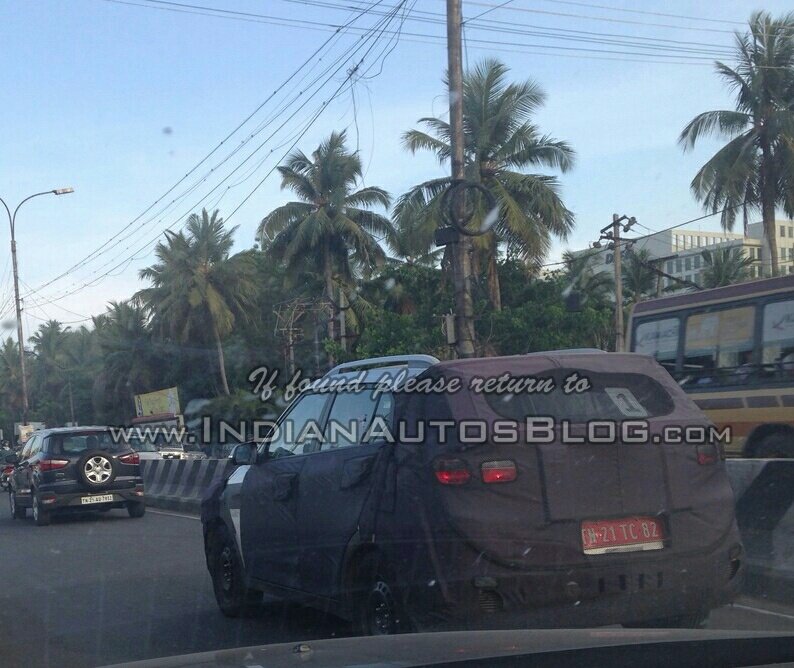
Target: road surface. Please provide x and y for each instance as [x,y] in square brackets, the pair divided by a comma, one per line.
[104,588]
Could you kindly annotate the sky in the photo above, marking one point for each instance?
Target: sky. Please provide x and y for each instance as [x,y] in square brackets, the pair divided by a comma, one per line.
[121,99]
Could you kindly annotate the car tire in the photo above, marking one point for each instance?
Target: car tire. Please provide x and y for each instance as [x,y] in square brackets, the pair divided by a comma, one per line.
[378,610]
[17,512]
[234,597]
[41,516]
[96,470]
[136,509]
[775,446]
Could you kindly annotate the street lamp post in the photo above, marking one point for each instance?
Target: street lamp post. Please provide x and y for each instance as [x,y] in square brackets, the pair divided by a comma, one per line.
[11,221]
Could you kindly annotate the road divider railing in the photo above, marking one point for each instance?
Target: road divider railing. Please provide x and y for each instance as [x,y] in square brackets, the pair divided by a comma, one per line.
[180,484]
[764,491]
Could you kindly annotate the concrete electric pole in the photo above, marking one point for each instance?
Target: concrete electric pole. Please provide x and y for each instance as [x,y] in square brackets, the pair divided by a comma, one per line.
[464,308]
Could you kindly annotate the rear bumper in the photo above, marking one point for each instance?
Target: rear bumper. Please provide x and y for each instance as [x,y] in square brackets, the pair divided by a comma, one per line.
[583,595]
[73,501]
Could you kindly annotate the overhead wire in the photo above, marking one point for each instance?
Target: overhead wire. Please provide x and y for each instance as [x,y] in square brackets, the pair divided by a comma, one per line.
[378,31]
[280,110]
[223,141]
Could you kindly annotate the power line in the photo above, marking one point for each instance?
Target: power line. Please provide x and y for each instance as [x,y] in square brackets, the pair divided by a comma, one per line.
[687,56]
[654,24]
[377,32]
[640,11]
[487,11]
[311,57]
[551,32]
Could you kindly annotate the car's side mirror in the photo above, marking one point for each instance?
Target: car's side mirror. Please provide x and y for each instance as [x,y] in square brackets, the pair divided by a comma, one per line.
[244,453]
[12,459]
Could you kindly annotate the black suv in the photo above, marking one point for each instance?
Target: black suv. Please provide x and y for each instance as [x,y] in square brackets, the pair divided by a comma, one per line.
[74,469]
[474,526]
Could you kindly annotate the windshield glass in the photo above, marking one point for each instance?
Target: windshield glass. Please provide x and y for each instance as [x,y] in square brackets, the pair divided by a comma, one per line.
[609,396]
[142,446]
[263,266]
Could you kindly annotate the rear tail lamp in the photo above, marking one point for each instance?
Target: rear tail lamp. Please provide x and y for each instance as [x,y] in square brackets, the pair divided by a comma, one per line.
[131,458]
[451,472]
[52,464]
[707,454]
[498,471]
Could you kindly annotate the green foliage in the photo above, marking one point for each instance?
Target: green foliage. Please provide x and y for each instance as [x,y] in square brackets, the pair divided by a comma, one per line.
[724,266]
[753,170]
[199,292]
[500,138]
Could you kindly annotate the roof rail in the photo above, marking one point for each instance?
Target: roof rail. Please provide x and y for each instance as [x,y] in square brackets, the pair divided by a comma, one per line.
[409,361]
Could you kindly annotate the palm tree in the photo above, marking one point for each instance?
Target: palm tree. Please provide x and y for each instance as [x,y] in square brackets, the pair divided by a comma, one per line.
[579,275]
[754,169]
[48,373]
[639,278]
[724,266]
[411,244]
[198,291]
[126,349]
[499,140]
[331,228]
[10,376]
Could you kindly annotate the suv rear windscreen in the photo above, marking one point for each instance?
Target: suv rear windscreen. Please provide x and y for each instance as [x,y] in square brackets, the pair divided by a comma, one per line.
[610,396]
[76,444]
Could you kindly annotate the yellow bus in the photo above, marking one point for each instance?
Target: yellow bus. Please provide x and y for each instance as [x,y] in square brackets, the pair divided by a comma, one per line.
[732,350]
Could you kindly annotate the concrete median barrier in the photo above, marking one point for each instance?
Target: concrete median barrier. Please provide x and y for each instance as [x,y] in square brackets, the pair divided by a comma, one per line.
[764,490]
[181,484]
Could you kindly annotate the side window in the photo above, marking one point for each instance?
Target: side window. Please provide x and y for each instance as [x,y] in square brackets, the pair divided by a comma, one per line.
[719,347]
[349,419]
[384,411]
[658,338]
[33,445]
[297,432]
[777,338]
[26,450]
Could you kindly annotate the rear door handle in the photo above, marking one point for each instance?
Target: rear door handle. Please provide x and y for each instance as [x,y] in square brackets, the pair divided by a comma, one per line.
[284,485]
[355,470]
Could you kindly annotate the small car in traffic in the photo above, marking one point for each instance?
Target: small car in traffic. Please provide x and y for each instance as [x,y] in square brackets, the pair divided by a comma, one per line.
[73,469]
[554,524]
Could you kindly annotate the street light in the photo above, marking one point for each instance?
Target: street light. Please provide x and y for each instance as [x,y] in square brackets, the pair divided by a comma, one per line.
[11,221]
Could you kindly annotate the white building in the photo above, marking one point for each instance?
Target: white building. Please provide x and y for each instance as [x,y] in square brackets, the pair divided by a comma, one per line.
[679,251]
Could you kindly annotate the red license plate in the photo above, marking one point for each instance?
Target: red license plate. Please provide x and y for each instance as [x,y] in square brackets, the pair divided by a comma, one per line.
[629,534]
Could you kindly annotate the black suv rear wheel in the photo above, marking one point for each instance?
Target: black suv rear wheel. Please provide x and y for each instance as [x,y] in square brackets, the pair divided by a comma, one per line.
[234,598]
[41,516]
[136,509]
[17,512]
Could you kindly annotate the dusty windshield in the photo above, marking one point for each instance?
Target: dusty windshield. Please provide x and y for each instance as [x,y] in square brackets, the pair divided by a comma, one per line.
[299,299]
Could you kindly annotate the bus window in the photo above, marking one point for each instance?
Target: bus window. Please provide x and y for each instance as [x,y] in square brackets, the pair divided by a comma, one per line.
[719,347]
[658,338]
[777,338]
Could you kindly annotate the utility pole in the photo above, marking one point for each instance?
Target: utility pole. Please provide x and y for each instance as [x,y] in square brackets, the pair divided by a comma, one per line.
[71,400]
[618,285]
[343,319]
[611,233]
[20,338]
[464,308]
